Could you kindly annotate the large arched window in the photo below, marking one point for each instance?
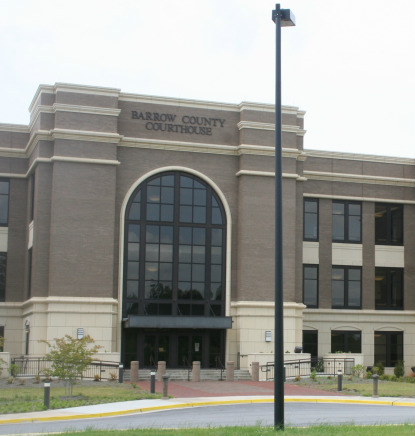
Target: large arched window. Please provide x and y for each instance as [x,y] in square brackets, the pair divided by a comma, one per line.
[174,258]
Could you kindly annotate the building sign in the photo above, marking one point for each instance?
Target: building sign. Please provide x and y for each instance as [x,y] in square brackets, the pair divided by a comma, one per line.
[171,123]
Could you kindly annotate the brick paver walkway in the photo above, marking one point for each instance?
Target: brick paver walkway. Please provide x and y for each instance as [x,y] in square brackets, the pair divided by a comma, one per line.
[188,389]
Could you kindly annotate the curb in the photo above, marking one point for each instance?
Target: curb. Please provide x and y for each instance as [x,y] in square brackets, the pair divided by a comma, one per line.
[204,404]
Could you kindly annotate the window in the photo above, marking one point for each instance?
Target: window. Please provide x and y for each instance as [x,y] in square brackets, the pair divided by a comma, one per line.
[346,285]
[174,248]
[29,272]
[310,342]
[347,221]
[310,285]
[388,348]
[346,341]
[388,288]
[388,224]
[2,337]
[4,202]
[310,219]
[3,267]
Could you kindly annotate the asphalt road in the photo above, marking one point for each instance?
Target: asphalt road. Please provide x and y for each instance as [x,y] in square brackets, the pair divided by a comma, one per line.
[296,414]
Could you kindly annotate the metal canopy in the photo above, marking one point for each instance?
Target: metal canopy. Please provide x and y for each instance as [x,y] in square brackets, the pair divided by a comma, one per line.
[178,322]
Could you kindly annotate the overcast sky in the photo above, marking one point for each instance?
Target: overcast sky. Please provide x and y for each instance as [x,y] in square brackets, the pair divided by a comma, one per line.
[350,65]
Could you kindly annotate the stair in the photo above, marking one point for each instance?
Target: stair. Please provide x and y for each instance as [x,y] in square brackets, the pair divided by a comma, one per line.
[185,375]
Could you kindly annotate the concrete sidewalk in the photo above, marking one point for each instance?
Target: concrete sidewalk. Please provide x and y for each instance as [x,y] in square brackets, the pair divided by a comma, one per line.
[197,394]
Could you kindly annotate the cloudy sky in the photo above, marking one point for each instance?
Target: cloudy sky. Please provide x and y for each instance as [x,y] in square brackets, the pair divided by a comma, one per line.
[349,65]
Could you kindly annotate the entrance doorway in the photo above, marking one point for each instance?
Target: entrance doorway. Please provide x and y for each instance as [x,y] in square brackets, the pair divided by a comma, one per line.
[178,348]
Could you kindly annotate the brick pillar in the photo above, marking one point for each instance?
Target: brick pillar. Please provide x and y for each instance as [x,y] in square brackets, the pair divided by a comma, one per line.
[161,370]
[255,371]
[134,371]
[230,371]
[196,371]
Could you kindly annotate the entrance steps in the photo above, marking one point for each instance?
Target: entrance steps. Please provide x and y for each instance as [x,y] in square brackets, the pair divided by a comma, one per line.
[186,375]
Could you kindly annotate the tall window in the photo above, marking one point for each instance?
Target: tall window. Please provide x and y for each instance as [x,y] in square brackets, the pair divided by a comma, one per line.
[310,342]
[347,221]
[2,338]
[174,248]
[346,341]
[388,288]
[346,285]
[4,202]
[310,285]
[388,348]
[388,224]
[3,268]
[310,219]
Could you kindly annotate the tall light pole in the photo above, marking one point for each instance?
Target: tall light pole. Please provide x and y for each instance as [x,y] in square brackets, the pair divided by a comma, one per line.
[281,17]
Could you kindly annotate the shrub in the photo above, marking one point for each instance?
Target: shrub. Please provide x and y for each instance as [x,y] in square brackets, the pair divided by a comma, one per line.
[97,377]
[380,368]
[10,380]
[313,375]
[297,378]
[358,370]
[113,376]
[13,370]
[399,369]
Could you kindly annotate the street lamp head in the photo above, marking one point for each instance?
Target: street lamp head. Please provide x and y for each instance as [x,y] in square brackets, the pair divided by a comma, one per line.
[287,18]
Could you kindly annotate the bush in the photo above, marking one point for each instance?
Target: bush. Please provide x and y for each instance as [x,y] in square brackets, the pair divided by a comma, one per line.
[399,369]
[358,370]
[14,370]
[313,375]
[380,368]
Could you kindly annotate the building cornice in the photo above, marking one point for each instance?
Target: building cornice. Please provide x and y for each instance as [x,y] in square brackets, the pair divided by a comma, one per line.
[58,107]
[14,128]
[348,197]
[359,157]
[287,128]
[359,178]
[269,174]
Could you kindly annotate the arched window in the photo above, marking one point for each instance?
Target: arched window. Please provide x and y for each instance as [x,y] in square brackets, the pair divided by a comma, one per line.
[174,258]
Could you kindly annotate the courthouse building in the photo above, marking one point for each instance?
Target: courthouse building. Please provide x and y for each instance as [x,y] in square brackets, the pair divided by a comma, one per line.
[148,223]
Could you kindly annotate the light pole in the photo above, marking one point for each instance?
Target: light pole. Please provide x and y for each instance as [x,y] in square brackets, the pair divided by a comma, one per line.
[281,17]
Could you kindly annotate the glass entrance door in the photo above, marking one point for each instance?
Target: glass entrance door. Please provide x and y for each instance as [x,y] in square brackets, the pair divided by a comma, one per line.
[156,348]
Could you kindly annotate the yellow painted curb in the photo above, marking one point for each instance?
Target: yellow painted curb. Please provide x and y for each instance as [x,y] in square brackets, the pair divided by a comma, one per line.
[204,403]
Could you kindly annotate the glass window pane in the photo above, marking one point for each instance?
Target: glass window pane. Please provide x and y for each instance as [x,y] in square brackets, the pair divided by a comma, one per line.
[167,180]
[165,309]
[153,194]
[198,291]
[132,308]
[354,294]
[185,253]
[4,187]
[354,209]
[152,234]
[184,290]
[132,289]
[132,270]
[134,233]
[186,214]
[186,182]
[217,237]
[310,272]
[133,251]
[338,228]
[337,293]
[216,273]
[199,197]
[338,208]
[198,309]
[167,212]
[198,273]
[198,254]
[166,271]
[185,272]
[199,236]
[166,253]
[216,253]
[216,291]
[155,182]
[184,309]
[152,270]
[166,234]
[153,212]
[310,226]
[185,235]
[310,206]
[216,216]
[199,214]
[152,252]
[354,228]
[186,196]
[167,195]
[134,211]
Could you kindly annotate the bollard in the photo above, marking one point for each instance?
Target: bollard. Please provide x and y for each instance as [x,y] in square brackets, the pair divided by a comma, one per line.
[134,371]
[121,373]
[255,371]
[196,371]
[161,369]
[46,397]
[165,378]
[152,382]
[375,385]
[230,371]
[339,380]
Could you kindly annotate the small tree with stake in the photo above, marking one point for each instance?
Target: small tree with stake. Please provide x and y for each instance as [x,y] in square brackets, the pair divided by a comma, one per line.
[70,357]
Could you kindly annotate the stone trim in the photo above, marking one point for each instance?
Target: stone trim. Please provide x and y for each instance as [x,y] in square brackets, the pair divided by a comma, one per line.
[346,197]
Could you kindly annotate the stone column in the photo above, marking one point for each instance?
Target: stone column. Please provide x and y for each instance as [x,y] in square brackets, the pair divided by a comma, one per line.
[196,371]
[230,371]
[134,371]
[255,371]
[161,370]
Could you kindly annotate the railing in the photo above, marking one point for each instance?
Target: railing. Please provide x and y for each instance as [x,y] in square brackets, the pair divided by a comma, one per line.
[304,368]
[31,367]
[221,366]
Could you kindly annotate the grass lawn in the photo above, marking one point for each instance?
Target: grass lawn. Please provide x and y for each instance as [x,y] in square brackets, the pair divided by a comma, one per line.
[360,386]
[326,430]
[30,398]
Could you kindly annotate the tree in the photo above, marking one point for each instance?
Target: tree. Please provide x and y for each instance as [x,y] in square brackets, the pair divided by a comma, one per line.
[70,357]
